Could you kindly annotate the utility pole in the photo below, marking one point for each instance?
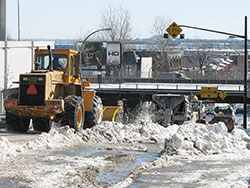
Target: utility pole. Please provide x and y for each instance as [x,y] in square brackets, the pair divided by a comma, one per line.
[245,76]
[3,20]
[18,19]
[3,37]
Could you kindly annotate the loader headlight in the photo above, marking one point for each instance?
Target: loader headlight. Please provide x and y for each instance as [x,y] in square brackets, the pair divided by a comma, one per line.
[25,78]
[40,78]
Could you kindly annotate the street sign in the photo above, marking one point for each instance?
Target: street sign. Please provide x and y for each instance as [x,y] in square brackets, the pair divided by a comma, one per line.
[209,92]
[223,95]
[174,30]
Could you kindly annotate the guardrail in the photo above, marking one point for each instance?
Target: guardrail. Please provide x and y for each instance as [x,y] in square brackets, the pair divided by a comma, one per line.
[167,86]
[144,91]
[159,80]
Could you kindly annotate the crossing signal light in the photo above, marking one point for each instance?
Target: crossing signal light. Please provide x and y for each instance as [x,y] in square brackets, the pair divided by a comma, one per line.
[182,36]
[165,36]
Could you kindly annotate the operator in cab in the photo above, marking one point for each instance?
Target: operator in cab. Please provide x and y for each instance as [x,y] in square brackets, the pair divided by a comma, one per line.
[60,62]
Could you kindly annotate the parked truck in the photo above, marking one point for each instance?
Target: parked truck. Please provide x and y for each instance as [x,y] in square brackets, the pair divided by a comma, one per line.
[171,108]
[55,91]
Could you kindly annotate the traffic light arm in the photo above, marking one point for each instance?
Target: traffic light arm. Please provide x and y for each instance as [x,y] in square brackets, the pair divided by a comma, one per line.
[245,61]
[214,31]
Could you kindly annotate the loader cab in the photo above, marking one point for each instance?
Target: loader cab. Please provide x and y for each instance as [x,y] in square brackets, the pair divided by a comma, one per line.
[60,62]
[63,60]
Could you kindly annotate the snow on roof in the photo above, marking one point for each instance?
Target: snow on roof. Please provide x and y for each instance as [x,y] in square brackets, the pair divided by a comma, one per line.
[222,65]
[213,66]
[219,68]
[224,62]
[229,60]
[219,64]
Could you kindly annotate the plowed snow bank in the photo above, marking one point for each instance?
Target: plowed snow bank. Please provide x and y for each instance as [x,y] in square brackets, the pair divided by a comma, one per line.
[189,138]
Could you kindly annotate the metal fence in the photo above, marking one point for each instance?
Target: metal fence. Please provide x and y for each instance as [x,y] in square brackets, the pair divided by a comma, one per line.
[191,77]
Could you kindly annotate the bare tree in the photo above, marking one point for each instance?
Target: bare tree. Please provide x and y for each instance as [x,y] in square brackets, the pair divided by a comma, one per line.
[163,59]
[201,58]
[118,19]
[159,25]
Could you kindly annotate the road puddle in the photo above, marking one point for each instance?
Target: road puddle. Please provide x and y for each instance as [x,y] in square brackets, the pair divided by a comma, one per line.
[121,170]
[6,183]
[123,160]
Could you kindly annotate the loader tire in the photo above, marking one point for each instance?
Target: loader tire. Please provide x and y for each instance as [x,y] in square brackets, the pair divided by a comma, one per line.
[74,112]
[95,116]
[17,124]
[42,124]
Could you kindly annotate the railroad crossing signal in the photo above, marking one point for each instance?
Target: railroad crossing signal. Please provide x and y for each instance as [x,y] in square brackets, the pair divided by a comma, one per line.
[223,95]
[174,30]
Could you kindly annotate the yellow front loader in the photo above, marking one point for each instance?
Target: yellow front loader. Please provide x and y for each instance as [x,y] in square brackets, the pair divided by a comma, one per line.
[53,91]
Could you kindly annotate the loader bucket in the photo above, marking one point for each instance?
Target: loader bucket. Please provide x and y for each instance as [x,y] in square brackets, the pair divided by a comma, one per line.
[110,113]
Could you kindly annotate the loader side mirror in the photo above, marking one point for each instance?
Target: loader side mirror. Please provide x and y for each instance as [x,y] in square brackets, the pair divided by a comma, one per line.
[37,65]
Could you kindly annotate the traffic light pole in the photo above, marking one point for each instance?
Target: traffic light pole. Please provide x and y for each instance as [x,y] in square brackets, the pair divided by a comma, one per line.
[245,61]
[245,76]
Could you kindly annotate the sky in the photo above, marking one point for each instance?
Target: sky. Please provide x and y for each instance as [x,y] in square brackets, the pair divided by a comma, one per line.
[74,19]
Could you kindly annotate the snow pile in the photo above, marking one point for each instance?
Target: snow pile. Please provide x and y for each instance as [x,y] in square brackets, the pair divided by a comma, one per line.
[109,132]
[57,137]
[142,130]
[189,138]
[241,134]
[7,149]
[207,139]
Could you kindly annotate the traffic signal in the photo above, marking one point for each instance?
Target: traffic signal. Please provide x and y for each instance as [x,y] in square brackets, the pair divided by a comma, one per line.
[165,36]
[182,36]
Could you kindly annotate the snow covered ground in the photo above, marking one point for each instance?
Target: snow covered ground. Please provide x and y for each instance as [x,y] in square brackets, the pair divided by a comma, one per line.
[40,163]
